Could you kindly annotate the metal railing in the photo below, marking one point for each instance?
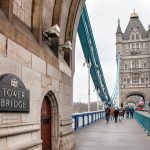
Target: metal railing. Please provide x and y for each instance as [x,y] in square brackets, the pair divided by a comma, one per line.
[84,119]
[143,118]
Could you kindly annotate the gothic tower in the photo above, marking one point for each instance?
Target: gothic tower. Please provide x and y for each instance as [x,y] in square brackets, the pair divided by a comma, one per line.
[134,48]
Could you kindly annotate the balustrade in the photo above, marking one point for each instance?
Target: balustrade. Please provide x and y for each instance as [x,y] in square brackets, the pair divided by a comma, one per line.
[83,119]
[143,118]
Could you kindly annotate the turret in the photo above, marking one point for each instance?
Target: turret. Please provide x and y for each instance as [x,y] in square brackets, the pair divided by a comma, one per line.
[149,36]
[149,30]
[119,38]
[118,33]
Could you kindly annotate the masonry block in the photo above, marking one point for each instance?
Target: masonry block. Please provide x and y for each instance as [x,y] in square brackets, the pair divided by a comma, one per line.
[9,66]
[46,80]
[19,53]
[35,92]
[54,72]
[38,64]
[31,76]
[2,44]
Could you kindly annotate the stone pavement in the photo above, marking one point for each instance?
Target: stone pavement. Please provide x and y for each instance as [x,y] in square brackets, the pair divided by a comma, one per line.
[124,135]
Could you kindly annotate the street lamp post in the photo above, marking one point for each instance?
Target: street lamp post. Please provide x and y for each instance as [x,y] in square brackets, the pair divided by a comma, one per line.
[89,67]
[103,105]
[98,102]
[88,62]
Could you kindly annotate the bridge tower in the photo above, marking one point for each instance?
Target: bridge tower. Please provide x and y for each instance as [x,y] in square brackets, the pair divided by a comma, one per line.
[134,47]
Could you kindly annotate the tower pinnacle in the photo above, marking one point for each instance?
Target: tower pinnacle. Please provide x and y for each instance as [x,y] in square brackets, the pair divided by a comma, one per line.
[119,28]
[134,14]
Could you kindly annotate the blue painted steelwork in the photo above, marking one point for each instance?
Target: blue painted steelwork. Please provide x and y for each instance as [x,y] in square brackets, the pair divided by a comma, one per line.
[84,119]
[143,119]
[90,53]
[115,93]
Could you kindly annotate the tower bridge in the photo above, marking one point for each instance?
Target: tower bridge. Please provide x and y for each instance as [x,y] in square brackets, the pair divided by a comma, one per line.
[37,58]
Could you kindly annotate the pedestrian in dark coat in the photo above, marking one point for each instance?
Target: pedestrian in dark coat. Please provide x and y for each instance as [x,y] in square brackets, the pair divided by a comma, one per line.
[116,113]
[107,112]
[131,112]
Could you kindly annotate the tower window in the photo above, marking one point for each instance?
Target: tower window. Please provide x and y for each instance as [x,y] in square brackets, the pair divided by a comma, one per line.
[132,45]
[128,46]
[142,80]
[137,36]
[137,45]
[124,80]
[135,80]
[132,37]
[128,81]
[125,66]
[135,64]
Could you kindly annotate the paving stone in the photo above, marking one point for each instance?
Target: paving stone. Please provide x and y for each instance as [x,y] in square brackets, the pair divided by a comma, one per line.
[124,135]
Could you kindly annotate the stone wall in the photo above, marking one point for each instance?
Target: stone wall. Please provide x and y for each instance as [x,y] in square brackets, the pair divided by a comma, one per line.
[41,72]
[37,76]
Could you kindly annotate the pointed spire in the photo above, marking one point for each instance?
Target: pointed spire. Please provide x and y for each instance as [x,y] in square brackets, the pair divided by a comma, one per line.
[119,28]
[118,21]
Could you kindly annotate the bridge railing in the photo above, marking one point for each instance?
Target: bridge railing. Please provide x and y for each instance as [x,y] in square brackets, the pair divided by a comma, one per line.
[84,119]
[143,118]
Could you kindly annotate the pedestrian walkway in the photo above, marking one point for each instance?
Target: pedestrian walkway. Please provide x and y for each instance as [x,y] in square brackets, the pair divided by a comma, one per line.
[124,135]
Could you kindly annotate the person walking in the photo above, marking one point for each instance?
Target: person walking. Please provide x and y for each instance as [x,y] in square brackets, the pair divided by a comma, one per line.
[131,112]
[127,112]
[120,114]
[123,112]
[112,113]
[107,112]
[116,113]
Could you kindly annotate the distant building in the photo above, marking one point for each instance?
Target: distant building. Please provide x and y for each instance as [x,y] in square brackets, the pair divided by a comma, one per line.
[134,47]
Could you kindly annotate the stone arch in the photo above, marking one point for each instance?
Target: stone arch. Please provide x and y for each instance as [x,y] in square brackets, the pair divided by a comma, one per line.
[71,20]
[51,95]
[133,93]
[57,12]
[36,19]
[136,93]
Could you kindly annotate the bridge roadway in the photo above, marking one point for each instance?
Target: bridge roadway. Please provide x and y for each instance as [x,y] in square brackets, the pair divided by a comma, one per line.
[124,135]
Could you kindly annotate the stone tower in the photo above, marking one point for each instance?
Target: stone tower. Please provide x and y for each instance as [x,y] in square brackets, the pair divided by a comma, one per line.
[134,48]
[37,57]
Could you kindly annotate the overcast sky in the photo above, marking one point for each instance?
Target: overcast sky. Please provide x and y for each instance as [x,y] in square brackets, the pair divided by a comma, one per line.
[103,16]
